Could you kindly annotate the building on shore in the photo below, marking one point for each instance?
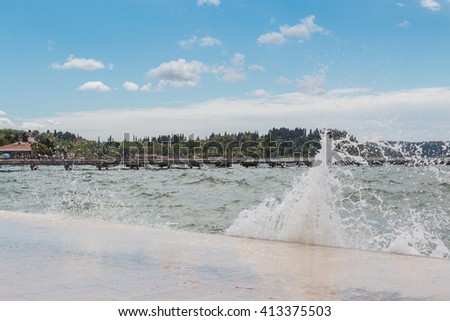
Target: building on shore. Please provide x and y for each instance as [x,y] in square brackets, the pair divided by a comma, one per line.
[17,150]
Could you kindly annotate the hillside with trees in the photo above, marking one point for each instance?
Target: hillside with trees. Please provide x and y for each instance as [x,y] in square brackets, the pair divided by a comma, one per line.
[277,142]
[51,144]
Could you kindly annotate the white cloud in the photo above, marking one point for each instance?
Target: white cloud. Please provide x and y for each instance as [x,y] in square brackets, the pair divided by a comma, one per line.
[146,88]
[94,86]
[347,91]
[210,42]
[204,42]
[255,67]
[274,38]
[301,31]
[79,63]
[401,5]
[430,5]
[314,85]
[6,122]
[235,72]
[212,2]
[238,59]
[260,93]
[404,25]
[231,74]
[188,43]
[182,74]
[130,86]
[179,73]
[32,125]
[52,122]
[416,114]
[284,81]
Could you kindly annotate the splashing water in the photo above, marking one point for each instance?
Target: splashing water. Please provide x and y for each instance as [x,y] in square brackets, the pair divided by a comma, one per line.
[327,205]
[306,215]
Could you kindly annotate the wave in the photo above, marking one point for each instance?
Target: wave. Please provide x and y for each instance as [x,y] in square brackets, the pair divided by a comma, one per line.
[208,180]
[326,207]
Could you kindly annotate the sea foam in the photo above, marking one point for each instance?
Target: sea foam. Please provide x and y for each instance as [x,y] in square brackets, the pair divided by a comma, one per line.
[328,205]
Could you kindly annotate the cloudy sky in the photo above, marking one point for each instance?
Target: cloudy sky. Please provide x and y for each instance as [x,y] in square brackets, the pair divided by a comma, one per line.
[378,69]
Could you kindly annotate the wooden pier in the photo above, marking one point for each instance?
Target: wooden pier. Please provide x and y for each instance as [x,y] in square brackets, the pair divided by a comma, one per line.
[136,163]
[164,162]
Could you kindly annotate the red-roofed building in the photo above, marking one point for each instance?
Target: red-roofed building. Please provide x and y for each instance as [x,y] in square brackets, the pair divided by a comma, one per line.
[17,150]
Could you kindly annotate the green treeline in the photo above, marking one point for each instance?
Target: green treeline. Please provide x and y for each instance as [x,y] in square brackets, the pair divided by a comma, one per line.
[277,142]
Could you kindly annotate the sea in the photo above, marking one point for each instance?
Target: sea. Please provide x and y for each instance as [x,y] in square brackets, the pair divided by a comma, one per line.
[389,208]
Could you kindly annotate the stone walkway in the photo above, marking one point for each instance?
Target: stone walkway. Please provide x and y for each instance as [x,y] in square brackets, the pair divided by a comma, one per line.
[49,258]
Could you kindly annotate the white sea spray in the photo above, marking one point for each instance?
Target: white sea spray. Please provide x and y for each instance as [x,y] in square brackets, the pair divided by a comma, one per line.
[357,207]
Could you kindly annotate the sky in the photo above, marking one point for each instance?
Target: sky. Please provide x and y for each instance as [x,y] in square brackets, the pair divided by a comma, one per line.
[377,69]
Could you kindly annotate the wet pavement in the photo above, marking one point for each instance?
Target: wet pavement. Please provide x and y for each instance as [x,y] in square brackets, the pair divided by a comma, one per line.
[45,257]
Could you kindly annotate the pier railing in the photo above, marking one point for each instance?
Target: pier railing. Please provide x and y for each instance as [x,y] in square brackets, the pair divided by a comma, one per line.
[166,162]
[157,161]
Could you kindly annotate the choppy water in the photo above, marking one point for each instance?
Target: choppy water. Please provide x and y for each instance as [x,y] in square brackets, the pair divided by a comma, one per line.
[389,208]
[206,199]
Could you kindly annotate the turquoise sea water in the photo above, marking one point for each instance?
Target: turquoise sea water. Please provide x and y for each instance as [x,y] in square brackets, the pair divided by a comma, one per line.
[389,208]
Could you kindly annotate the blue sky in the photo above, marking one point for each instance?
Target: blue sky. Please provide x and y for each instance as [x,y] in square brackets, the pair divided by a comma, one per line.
[378,69]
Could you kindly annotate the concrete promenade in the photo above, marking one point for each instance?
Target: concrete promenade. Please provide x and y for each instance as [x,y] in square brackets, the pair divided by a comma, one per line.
[45,257]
